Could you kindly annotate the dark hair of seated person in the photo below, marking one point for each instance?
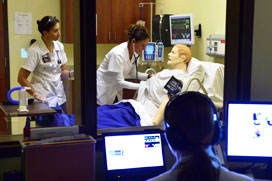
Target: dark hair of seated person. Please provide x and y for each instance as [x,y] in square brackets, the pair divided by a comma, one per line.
[189,124]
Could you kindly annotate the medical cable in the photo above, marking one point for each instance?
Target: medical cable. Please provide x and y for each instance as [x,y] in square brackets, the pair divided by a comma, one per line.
[135,61]
[141,22]
[200,84]
[141,9]
[136,65]
[9,94]
[59,61]
[160,27]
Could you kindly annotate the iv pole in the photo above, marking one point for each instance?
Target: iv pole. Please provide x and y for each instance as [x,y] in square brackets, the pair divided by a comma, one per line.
[151,15]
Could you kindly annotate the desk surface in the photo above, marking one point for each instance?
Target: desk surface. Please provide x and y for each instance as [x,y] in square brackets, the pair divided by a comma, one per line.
[34,109]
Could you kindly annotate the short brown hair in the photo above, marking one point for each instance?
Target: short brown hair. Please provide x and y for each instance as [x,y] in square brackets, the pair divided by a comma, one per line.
[184,50]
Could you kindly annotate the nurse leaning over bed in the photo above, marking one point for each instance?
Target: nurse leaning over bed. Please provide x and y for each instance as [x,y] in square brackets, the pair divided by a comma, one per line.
[121,61]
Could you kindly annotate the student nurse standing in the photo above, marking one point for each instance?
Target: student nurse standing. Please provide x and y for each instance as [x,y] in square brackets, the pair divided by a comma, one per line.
[46,61]
[121,61]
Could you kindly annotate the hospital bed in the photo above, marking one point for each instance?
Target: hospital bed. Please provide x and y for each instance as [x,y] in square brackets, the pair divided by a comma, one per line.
[212,85]
[132,94]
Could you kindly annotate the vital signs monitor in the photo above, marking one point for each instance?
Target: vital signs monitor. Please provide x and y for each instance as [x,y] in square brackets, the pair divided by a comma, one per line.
[181,29]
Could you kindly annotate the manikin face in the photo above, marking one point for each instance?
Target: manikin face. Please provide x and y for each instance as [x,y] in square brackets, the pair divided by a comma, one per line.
[140,45]
[174,58]
[54,33]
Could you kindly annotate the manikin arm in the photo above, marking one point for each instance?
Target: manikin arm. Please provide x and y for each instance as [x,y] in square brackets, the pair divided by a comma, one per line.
[160,113]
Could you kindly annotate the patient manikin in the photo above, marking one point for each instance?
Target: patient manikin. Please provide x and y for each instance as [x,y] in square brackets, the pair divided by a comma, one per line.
[152,96]
[183,67]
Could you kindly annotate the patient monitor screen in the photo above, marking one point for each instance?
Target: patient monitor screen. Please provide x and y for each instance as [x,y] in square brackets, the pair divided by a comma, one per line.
[249,129]
[181,29]
[149,54]
[133,151]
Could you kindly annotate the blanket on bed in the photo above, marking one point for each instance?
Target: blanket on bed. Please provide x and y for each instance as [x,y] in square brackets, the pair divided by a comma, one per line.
[117,115]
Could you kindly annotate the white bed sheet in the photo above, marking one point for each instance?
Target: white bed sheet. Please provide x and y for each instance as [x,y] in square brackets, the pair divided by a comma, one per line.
[214,82]
[148,100]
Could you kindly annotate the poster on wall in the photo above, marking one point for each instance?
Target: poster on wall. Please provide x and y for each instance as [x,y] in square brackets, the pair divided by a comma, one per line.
[23,23]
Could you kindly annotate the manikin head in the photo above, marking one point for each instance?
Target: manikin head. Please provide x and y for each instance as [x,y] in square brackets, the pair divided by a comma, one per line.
[179,57]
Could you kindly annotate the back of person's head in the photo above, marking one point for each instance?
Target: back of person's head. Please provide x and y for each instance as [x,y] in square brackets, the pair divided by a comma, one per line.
[190,129]
[137,32]
[183,50]
[46,23]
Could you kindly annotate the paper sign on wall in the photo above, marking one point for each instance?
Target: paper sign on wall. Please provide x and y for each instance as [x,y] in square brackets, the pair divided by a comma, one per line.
[23,23]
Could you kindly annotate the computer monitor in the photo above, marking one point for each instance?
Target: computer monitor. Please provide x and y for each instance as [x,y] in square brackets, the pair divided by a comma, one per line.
[249,131]
[133,155]
[181,29]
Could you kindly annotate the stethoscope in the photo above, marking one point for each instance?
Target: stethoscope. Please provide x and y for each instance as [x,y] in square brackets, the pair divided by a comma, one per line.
[59,60]
[136,65]
[135,61]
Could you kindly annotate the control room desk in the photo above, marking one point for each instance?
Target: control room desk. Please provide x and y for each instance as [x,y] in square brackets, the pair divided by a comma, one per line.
[34,109]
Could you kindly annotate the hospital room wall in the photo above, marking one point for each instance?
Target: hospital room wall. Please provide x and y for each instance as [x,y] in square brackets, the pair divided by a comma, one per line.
[38,9]
[211,14]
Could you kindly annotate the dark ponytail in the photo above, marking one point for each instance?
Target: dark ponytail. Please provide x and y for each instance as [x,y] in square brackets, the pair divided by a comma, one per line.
[198,167]
[46,23]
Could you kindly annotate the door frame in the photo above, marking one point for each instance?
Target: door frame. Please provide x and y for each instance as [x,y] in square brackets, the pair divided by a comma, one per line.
[4,65]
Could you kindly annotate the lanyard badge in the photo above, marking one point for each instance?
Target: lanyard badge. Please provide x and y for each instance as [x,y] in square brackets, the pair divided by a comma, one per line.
[59,60]
[46,58]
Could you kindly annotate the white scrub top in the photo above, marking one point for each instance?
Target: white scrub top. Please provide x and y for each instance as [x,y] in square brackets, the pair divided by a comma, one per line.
[46,71]
[112,72]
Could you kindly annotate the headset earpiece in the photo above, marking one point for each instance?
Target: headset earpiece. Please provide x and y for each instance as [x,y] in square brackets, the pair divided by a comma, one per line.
[176,137]
[217,133]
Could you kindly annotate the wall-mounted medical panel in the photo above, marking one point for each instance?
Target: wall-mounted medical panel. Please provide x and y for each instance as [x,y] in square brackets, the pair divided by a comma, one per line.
[216,45]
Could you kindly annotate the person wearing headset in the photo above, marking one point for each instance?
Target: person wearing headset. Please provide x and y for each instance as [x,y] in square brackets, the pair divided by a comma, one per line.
[46,61]
[121,61]
[191,128]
